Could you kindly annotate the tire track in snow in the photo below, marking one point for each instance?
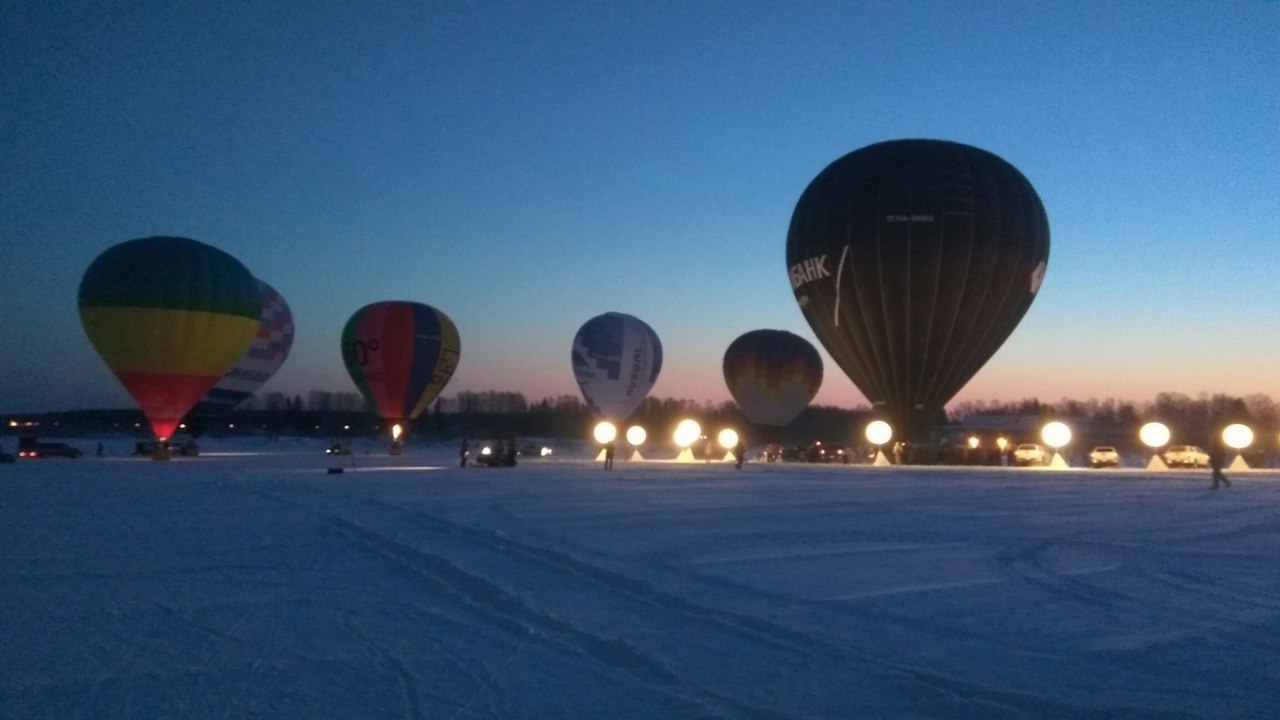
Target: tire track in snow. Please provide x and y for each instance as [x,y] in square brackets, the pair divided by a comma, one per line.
[519,618]
[935,694]
[1168,572]
[636,588]
[975,699]
[408,686]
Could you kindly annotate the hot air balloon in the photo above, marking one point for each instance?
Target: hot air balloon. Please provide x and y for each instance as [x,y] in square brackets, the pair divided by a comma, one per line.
[400,355]
[772,375]
[616,359]
[263,358]
[913,260]
[170,316]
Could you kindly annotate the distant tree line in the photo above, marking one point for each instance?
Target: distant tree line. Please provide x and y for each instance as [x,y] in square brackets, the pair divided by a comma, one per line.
[498,414]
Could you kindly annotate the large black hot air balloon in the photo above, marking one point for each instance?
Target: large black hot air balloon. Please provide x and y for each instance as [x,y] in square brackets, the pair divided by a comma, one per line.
[913,260]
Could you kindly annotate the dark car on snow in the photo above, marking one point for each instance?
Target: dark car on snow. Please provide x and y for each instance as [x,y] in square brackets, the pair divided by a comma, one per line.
[29,447]
[821,452]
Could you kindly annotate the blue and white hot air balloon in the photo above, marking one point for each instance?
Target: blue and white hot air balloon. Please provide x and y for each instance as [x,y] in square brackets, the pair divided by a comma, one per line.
[616,359]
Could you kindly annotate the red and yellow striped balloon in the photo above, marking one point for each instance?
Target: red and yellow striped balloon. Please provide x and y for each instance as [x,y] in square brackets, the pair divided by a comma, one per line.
[400,354]
[169,316]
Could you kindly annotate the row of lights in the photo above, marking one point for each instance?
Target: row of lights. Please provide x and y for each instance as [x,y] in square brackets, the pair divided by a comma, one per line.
[687,433]
[1057,435]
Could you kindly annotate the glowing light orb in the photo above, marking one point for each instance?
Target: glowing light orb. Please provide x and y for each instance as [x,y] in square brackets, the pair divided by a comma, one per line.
[395,431]
[1055,434]
[879,432]
[973,442]
[605,432]
[727,438]
[687,432]
[1002,443]
[1237,436]
[636,436]
[1154,434]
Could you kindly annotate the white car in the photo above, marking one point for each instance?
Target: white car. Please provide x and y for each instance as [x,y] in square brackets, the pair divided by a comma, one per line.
[1030,454]
[1186,456]
[1104,456]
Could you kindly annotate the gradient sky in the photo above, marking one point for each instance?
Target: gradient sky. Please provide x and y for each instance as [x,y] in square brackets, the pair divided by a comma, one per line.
[526,166]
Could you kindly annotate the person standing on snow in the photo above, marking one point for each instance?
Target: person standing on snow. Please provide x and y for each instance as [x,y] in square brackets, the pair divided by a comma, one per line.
[1215,463]
[464,451]
[608,455]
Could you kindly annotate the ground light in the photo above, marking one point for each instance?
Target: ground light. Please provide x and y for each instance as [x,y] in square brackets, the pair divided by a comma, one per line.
[635,438]
[728,439]
[1155,435]
[604,432]
[1056,435]
[686,434]
[1003,443]
[878,433]
[1238,437]
[396,431]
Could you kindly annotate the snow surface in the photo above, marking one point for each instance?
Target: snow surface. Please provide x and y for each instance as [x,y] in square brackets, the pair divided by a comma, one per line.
[247,583]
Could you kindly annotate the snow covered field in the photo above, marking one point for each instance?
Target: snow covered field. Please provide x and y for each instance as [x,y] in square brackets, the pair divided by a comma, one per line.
[257,585]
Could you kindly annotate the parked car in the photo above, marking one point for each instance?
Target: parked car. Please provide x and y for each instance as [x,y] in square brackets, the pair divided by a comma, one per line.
[794,453]
[1186,456]
[29,447]
[1030,454]
[497,455]
[821,452]
[1104,456]
[536,450]
[342,447]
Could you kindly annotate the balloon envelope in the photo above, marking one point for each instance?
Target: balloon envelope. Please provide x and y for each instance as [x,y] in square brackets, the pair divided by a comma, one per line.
[169,316]
[616,359]
[267,352]
[913,260]
[772,375]
[400,355]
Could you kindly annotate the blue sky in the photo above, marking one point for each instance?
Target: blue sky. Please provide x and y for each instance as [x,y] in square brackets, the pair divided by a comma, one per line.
[526,166]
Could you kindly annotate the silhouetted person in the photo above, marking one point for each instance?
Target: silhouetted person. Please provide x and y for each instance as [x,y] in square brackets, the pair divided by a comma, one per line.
[464,451]
[608,455]
[739,453]
[1215,463]
[99,449]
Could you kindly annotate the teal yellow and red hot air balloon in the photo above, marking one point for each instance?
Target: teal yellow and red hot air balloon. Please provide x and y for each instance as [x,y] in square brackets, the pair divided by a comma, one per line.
[169,316]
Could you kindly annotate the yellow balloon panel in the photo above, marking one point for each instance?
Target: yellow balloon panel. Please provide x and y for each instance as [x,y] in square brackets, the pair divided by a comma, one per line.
[162,340]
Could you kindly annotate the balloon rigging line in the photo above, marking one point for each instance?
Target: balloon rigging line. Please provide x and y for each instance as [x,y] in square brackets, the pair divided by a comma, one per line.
[839,275]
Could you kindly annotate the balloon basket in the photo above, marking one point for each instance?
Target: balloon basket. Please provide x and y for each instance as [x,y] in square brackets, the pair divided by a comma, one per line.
[160,450]
[395,449]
